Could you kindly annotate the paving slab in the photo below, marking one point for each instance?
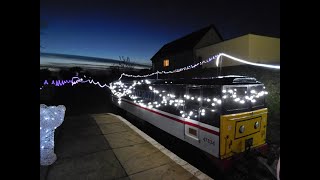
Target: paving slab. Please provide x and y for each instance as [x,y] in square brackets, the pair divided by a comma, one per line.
[113,127]
[165,172]
[76,146]
[123,139]
[78,121]
[104,118]
[99,165]
[140,157]
[80,132]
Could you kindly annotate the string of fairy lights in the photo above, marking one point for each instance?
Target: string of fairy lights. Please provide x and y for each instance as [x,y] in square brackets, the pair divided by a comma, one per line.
[164,98]
[121,90]
[217,57]
[76,80]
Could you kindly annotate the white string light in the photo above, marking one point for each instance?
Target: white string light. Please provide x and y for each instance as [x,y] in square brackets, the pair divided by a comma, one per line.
[173,71]
[245,62]
[217,57]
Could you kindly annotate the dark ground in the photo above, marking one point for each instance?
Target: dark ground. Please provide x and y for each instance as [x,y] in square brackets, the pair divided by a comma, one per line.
[90,99]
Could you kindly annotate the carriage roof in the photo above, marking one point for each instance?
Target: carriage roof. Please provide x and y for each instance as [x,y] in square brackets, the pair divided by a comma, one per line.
[220,80]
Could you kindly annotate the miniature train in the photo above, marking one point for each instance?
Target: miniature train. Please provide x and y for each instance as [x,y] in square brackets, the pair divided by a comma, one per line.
[222,116]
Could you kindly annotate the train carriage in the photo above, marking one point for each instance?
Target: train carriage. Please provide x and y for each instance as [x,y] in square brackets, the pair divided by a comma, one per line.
[222,116]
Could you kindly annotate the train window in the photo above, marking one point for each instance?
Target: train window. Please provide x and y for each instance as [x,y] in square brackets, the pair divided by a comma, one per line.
[170,98]
[258,96]
[210,110]
[209,116]
[193,103]
[235,98]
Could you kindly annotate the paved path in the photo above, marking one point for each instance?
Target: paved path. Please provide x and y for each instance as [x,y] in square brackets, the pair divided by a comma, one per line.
[106,146]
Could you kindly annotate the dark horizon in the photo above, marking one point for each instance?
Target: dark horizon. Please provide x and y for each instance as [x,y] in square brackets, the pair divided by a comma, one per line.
[109,29]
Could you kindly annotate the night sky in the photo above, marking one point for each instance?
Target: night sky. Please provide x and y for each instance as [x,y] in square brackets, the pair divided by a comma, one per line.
[139,28]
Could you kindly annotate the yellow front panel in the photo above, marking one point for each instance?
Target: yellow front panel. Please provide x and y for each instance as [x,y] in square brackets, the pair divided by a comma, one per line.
[232,141]
[249,127]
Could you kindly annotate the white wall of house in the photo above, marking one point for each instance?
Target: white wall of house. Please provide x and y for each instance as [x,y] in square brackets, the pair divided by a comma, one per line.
[254,48]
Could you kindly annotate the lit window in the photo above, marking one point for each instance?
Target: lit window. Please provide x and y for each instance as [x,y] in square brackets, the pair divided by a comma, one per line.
[166,63]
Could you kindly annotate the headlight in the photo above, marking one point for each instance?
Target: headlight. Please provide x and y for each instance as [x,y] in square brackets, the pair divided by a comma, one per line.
[241,129]
[256,125]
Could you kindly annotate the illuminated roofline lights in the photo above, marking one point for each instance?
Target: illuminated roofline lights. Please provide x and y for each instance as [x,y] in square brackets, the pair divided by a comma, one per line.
[245,62]
[217,57]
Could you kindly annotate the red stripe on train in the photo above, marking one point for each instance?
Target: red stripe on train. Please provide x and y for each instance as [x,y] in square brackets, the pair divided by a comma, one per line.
[175,119]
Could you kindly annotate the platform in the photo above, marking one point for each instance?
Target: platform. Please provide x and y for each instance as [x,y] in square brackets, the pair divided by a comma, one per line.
[106,146]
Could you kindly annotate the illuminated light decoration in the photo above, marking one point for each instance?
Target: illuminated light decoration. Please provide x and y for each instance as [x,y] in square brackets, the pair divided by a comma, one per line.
[199,99]
[203,111]
[224,91]
[45,82]
[192,98]
[265,92]
[237,99]
[190,113]
[208,100]
[150,87]
[245,62]
[212,110]
[217,57]
[171,72]
[170,97]
[50,118]
[224,97]
[253,92]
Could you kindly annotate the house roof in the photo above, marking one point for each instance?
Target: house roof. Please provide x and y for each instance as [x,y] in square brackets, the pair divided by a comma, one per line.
[184,43]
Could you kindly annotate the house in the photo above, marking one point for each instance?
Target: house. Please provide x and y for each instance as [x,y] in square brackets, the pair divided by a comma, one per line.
[207,42]
[250,47]
[182,52]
